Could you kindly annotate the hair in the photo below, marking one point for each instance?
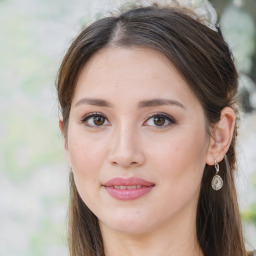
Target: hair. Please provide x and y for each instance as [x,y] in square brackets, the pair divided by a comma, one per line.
[204,60]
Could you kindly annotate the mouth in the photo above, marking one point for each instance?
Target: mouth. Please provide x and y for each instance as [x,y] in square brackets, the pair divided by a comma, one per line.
[128,188]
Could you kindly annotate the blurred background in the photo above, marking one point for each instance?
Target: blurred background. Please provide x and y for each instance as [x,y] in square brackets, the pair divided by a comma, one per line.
[34,35]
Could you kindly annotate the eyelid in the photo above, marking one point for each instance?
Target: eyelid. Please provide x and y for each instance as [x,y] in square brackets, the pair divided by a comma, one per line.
[169,118]
[92,114]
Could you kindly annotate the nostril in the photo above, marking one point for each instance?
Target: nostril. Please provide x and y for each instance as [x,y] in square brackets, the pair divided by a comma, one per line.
[125,164]
[126,158]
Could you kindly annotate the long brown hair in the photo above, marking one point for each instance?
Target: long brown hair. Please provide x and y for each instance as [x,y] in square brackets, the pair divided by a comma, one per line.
[204,60]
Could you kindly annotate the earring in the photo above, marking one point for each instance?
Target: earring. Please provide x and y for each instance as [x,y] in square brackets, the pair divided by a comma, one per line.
[217,181]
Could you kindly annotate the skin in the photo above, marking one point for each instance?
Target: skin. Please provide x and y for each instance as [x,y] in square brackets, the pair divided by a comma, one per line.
[128,143]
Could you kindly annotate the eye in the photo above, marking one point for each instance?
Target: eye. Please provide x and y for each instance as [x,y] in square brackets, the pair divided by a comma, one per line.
[95,120]
[159,120]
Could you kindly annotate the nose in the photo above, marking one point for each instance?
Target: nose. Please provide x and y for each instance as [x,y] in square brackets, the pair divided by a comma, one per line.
[126,148]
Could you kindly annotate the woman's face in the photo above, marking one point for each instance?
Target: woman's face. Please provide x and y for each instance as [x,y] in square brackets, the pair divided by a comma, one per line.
[137,141]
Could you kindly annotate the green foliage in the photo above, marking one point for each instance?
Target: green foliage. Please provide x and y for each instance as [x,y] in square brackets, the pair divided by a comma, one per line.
[239,31]
[250,214]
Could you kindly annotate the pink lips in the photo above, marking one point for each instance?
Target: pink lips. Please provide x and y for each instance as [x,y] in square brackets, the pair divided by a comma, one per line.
[128,189]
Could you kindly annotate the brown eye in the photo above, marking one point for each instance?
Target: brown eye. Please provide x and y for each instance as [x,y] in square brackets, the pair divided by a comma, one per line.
[95,120]
[159,121]
[99,120]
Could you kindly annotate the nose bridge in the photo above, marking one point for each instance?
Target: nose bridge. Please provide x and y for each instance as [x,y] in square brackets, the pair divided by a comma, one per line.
[125,150]
[124,139]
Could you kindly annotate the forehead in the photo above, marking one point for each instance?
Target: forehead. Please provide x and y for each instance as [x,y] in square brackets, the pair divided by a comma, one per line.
[131,74]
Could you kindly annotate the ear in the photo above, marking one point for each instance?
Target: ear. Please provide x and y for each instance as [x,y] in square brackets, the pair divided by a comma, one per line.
[222,134]
[61,126]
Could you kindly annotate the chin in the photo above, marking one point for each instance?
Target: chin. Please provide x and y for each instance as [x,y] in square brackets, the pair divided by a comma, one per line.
[129,225]
[134,230]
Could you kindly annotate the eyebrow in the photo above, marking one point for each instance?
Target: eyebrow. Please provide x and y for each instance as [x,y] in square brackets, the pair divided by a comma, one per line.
[94,102]
[141,104]
[159,102]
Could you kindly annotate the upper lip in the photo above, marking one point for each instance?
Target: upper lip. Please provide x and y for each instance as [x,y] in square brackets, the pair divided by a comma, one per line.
[128,182]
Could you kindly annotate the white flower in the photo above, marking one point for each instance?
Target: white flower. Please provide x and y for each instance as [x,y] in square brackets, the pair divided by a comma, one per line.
[202,8]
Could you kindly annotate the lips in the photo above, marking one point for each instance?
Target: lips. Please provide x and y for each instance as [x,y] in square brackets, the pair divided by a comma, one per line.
[128,189]
[133,181]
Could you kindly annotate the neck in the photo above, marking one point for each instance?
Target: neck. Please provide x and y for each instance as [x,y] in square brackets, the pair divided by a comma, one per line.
[177,238]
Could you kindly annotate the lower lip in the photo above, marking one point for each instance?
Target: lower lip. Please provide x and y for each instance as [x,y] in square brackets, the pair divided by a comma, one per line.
[128,194]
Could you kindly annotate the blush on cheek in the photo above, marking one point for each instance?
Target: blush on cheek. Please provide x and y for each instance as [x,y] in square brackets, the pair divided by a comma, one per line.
[180,163]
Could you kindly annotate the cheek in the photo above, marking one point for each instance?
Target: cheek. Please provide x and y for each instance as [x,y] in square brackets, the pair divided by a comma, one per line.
[86,152]
[86,157]
[178,169]
[180,160]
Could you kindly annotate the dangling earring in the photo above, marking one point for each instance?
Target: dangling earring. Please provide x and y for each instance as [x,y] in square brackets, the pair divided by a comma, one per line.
[217,181]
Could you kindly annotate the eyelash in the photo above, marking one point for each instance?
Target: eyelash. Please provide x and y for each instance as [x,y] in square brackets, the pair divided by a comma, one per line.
[167,118]
[90,115]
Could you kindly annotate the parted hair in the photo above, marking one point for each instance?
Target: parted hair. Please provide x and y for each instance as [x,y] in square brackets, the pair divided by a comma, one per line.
[204,60]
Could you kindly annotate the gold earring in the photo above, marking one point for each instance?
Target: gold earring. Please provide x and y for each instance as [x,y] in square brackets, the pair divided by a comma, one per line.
[217,181]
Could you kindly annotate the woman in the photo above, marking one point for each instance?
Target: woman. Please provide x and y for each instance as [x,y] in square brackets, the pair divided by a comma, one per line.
[149,121]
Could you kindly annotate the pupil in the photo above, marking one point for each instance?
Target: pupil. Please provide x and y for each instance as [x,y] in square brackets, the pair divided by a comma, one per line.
[159,121]
[98,120]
